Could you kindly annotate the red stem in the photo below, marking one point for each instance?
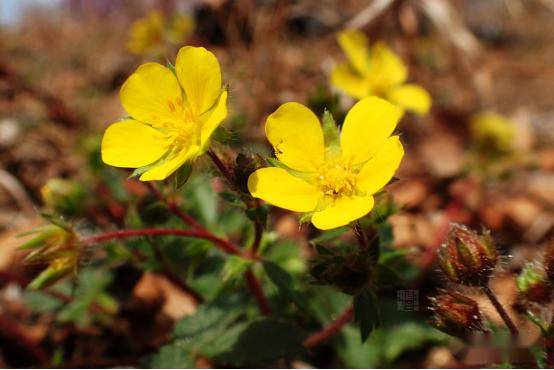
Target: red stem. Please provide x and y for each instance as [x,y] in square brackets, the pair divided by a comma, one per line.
[172,206]
[221,167]
[256,289]
[323,335]
[223,244]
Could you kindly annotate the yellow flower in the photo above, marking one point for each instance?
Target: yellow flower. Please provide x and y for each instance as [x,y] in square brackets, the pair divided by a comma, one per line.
[172,115]
[181,28]
[491,128]
[376,71]
[330,177]
[146,33]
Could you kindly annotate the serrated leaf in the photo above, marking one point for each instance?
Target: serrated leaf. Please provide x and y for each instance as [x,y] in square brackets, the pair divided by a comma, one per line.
[285,283]
[366,313]
[258,214]
[232,198]
[172,356]
[331,132]
[234,267]
[222,135]
[330,234]
[182,175]
[263,342]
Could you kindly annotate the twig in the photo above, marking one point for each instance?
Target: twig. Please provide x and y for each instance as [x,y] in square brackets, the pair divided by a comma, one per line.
[363,18]
[16,190]
[323,335]
[501,311]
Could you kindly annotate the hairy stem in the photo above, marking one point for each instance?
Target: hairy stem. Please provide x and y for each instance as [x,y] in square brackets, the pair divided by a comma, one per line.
[256,288]
[221,166]
[361,236]
[500,309]
[223,244]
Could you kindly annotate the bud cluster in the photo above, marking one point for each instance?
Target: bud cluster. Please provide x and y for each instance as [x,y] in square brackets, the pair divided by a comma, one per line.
[56,246]
[349,269]
[469,259]
[466,257]
[455,314]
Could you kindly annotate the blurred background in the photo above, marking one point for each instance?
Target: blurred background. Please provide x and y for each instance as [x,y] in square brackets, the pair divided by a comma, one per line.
[62,63]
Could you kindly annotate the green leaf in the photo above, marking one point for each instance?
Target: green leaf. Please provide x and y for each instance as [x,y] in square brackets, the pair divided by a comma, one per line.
[234,267]
[330,234]
[330,130]
[210,320]
[172,356]
[366,313]
[222,135]
[286,284]
[231,198]
[182,175]
[258,214]
[263,342]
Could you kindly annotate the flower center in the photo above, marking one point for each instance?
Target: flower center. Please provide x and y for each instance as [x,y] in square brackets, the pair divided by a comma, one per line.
[336,178]
[185,131]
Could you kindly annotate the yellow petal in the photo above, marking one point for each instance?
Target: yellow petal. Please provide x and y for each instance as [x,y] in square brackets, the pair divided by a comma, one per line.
[366,127]
[131,144]
[200,75]
[411,97]
[278,187]
[296,135]
[356,47]
[167,167]
[343,211]
[151,94]
[214,119]
[378,171]
[345,79]
[386,68]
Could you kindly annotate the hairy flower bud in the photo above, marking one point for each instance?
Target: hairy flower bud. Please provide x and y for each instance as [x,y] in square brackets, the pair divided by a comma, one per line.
[533,285]
[467,257]
[349,269]
[455,314]
[57,247]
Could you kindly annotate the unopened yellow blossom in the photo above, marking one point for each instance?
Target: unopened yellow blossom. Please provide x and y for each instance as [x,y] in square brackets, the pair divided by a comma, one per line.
[172,115]
[376,70]
[57,246]
[490,128]
[149,34]
[332,180]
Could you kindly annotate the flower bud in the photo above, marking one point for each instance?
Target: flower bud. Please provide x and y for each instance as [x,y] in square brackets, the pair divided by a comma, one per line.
[63,196]
[467,257]
[456,314]
[55,246]
[349,269]
[533,285]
